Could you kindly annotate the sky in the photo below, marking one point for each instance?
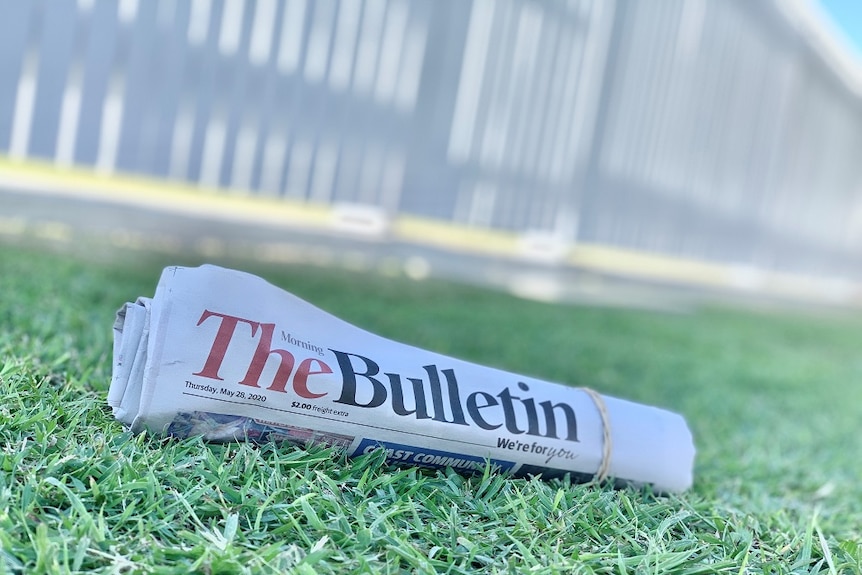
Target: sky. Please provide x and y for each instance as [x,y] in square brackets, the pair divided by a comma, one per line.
[847,14]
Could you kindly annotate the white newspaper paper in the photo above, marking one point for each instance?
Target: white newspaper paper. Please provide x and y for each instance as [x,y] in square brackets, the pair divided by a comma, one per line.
[226,355]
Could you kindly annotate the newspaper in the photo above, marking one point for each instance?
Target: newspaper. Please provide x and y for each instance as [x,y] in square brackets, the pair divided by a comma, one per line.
[228,356]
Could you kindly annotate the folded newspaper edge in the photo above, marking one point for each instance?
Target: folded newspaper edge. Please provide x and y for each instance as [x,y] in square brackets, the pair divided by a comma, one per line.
[228,356]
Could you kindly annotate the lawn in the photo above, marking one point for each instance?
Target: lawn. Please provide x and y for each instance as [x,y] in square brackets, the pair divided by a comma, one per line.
[774,400]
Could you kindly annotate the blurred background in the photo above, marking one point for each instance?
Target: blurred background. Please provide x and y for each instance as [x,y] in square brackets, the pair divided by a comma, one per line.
[598,150]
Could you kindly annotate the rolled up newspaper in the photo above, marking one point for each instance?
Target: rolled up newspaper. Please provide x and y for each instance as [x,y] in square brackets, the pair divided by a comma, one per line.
[228,356]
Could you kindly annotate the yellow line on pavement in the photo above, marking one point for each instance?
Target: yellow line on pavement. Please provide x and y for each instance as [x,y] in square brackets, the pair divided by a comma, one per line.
[453,236]
[133,190]
[233,205]
[648,265]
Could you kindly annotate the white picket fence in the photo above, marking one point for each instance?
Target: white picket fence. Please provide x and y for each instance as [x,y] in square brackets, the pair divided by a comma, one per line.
[727,131]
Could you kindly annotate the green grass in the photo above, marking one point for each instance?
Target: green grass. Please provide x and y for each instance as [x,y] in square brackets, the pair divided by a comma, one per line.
[774,400]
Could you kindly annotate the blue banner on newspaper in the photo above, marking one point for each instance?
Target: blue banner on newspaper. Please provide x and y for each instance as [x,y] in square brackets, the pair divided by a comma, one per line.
[412,455]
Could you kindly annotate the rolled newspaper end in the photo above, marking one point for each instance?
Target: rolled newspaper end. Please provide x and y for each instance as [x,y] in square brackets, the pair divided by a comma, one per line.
[228,356]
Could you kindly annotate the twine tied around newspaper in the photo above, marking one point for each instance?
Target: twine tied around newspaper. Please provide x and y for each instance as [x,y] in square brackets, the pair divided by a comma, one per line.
[607,443]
